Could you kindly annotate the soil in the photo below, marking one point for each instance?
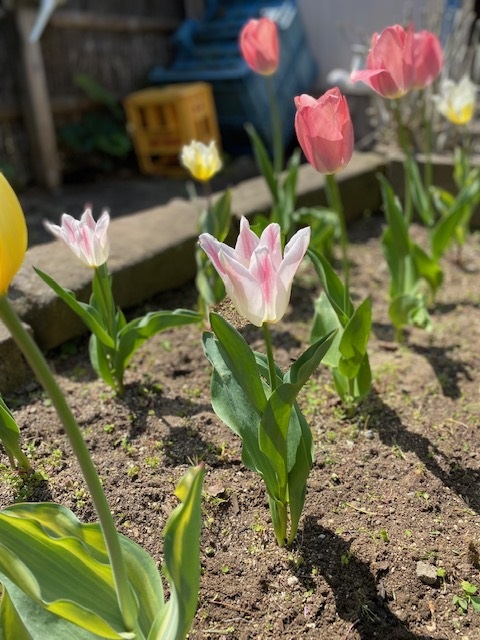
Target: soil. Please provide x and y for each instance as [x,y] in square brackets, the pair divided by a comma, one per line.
[395,484]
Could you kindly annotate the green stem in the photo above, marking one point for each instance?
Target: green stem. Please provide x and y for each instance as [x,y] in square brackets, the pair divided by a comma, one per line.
[106,302]
[271,362]
[277,136]
[403,139]
[335,203]
[428,168]
[42,371]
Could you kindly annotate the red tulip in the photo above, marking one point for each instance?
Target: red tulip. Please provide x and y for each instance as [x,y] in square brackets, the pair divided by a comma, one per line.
[390,63]
[427,58]
[324,130]
[259,45]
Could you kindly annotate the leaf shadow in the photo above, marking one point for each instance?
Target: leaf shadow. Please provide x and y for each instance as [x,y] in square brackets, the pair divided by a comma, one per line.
[357,591]
[447,370]
[392,432]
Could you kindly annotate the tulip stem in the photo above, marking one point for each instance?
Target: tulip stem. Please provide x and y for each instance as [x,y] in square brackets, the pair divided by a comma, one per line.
[335,203]
[271,362]
[39,365]
[277,136]
[106,300]
[428,168]
[402,134]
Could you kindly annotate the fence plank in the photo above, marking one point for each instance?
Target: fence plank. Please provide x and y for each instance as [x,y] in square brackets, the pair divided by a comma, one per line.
[37,113]
[70,19]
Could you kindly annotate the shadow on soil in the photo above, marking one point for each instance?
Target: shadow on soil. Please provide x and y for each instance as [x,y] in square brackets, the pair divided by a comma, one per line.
[391,431]
[355,588]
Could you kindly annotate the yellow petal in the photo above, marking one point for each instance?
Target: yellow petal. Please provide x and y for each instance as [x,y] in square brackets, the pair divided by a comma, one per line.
[13,234]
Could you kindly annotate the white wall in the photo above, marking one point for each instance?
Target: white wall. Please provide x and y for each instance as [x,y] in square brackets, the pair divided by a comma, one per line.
[332,26]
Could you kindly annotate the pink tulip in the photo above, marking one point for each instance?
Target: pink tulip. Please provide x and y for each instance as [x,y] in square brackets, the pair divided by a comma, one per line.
[427,58]
[325,130]
[259,45]
[390,63]
[258,279]
[86,238]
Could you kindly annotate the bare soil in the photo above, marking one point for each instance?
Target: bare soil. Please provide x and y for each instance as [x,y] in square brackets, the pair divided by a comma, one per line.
[395,484]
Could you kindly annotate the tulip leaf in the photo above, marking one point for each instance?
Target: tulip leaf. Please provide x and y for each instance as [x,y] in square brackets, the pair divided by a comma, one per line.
[182,561]
[57,581]
[397,225]
[409,309]
[419,195]
[89,315]
[428,268]
[216,219]
[61,564]
[137,331]
[324,321]
[354,340]
[101,360]
[22,618]
[263,161]
[238,395]
[10,437]
[333,287]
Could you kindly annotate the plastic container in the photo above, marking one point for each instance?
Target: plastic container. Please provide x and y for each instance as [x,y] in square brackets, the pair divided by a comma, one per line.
[162,120]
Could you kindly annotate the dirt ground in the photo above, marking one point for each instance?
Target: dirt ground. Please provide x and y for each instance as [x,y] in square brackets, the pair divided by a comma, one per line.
[395,485]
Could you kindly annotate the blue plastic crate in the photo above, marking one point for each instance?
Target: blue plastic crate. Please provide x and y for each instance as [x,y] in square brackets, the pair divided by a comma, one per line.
[240,94]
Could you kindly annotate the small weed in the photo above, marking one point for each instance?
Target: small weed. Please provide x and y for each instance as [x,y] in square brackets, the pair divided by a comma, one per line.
[469,597]
[109,428]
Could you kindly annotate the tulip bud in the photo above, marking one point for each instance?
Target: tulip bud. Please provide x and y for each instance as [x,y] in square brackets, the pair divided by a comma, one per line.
[13,235]
[390,68]
[427,58]
[259,45]
[324,130]
[257,278]
[203,161]
[86,238]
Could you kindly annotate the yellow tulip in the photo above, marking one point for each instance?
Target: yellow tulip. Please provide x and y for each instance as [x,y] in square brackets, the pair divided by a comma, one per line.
[457,100]
[13,235]
[203,161]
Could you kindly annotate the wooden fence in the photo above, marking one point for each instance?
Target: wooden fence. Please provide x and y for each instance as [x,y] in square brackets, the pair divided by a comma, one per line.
[115,42]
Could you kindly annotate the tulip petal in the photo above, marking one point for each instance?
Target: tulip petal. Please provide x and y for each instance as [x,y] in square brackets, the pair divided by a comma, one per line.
[247,241]
[13,235]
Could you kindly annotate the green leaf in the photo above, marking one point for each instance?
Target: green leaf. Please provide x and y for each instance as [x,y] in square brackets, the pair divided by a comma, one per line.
[238,394]
[263,161]
[182,559]
[86,312]
[240,360]
[395,219]
[21,618]
[354,340]
[428,268]
[216,220]
[10,437]
[353,390]
[333,287]
[420,196]
[137,331]
[475,600]
[101,360]
[408,309]
[282,438]
[326,320]
[442,199]
[61,564]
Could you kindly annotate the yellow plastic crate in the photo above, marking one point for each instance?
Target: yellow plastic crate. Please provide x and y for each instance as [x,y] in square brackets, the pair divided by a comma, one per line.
[162,120]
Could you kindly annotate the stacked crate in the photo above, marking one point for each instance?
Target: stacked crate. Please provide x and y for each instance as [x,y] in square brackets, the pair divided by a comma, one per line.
[162,120]
[208,50]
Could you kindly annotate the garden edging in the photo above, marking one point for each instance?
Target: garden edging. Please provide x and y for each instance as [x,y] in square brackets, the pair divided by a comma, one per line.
[153,251]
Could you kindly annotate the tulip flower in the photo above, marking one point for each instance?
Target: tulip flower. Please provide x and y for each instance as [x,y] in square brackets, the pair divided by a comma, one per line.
[203,161]
[259,45]
[86,238]
[390,67]
[427,58]
[13,235]
[257,278]
[325,130]
[457,100]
